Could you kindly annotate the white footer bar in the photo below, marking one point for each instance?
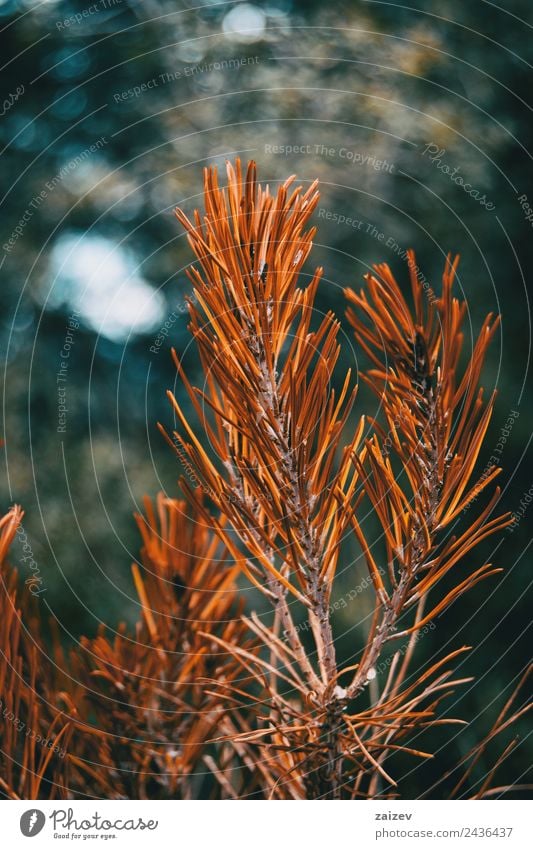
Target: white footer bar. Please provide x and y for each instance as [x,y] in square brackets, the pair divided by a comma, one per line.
[268,825]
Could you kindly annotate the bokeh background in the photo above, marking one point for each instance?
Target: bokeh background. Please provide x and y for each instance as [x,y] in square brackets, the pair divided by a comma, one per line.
[109,111]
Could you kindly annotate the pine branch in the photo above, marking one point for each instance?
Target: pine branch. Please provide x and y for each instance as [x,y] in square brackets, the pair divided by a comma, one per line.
[436,425]
[285,502]
[201,683]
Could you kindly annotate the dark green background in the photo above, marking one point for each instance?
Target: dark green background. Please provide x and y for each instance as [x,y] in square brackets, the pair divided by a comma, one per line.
[379,79]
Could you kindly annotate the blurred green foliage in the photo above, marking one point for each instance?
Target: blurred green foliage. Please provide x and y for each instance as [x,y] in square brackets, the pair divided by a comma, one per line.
[109,117]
